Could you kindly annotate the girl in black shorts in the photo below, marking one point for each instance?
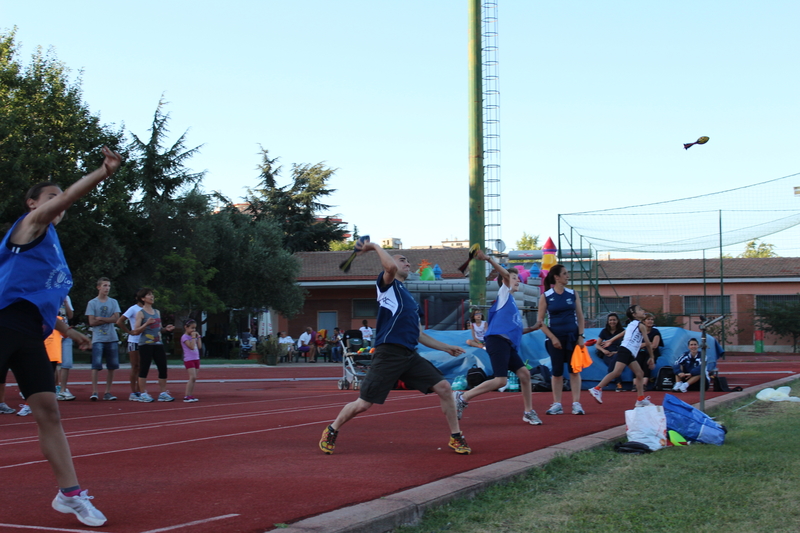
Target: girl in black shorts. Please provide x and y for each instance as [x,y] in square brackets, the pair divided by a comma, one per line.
[34,280]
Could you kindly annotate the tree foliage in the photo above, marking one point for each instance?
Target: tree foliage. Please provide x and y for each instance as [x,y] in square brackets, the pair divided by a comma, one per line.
[781,319]
[296,208]
[47,133]
[528,242]
[758,249]
[151,224]
[258,272]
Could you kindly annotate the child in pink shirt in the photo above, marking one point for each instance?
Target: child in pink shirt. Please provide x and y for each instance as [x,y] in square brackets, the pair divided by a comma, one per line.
[191,344]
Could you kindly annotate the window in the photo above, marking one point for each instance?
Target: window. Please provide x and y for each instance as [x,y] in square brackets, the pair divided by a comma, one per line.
[693,305]
[365,308]
[766,299]
[618,305]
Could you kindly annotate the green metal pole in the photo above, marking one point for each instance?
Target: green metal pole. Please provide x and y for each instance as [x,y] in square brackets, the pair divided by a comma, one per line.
[477,224]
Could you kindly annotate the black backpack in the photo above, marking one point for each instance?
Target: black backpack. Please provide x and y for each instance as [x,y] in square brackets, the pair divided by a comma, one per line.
[475,376]
[665,379]
[721,385]
[540,379]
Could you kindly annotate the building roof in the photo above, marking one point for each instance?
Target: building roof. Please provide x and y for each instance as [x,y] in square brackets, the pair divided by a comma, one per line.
[628,269]
[324,266]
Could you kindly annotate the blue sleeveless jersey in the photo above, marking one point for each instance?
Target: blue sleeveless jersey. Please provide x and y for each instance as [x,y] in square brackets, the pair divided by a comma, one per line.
[398,315]
[38,274]
[561,310]
[505,320]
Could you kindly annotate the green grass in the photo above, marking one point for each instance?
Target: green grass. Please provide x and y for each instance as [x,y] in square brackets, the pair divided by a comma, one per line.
[750,484]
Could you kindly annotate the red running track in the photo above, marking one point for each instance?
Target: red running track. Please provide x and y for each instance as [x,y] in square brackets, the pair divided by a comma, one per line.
[245,457]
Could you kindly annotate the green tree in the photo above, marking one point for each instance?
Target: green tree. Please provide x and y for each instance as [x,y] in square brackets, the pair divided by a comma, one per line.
[342,246]
[758,249]
[296,208]
[781,319]
[254,270]
[47,133]
[528,242]
[184,281]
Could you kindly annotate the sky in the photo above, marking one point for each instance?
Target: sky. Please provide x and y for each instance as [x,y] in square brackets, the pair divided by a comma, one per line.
[596,101]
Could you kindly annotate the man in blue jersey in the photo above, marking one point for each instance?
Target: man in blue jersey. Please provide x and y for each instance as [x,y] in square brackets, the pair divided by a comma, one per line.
[397,334]
[503,342]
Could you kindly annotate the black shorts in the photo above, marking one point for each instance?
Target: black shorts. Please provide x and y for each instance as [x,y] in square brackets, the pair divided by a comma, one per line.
[391,362]
[561,356]
[625,356]
[503,355]
[27,357]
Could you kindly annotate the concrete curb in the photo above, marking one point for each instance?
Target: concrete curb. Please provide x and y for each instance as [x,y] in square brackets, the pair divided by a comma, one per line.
[407,507]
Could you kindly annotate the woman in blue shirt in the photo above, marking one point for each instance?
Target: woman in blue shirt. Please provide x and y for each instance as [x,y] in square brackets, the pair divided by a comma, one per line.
[34,280]
[564,330]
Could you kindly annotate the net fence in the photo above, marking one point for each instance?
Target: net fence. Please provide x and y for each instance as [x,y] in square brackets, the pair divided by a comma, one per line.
[702,222]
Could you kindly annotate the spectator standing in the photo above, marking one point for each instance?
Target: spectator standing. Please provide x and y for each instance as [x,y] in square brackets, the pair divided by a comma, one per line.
[66,313]
[191,344]
[125,322]
[102,313]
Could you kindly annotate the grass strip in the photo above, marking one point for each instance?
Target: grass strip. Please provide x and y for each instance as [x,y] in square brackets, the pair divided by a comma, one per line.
[751,483]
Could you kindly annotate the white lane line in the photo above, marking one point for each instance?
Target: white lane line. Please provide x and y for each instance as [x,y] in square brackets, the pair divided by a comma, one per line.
[189,524]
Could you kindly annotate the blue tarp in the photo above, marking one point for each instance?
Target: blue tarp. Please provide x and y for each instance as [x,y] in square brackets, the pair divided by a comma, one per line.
[693,424]
[533,351]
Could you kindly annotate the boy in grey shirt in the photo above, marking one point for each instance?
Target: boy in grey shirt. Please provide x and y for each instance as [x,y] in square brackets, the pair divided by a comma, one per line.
[102,313]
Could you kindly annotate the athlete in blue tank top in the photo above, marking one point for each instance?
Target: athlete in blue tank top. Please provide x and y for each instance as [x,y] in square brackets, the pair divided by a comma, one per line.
[503,343]
[34,280]
[397,334]
[564,331]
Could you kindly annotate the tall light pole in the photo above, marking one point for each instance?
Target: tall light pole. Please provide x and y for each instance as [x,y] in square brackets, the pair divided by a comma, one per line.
[477,227]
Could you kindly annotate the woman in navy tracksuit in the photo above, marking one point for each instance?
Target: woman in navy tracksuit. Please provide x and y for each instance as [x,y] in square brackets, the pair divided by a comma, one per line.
[564,331]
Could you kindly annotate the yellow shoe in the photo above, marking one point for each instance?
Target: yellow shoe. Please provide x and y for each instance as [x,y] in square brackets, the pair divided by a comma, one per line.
[328,441]
[459,445]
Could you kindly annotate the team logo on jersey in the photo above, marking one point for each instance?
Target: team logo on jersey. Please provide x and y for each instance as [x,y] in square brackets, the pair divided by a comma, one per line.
[58,279]
[569,301]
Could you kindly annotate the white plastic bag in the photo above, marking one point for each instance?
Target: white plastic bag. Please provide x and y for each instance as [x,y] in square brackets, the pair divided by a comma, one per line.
[781,394]
[647,425]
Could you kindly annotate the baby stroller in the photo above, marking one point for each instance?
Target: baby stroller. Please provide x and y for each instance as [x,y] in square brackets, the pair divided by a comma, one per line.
[245,345]
[354,365]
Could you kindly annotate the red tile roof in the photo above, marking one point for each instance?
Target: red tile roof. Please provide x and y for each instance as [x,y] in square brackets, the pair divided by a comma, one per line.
[772,267]
[324,266]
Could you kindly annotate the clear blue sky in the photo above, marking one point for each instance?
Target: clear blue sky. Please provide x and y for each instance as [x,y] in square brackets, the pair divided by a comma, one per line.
[597,98]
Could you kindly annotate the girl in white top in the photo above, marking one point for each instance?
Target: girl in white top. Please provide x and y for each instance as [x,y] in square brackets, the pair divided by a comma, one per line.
[634,336]
[478,326]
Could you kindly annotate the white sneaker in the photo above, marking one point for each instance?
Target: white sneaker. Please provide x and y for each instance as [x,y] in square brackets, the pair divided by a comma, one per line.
[577,409]
[6,410]
[165,397]
[65,396]
[145,398]
[81,507]
[685,386]
[532,418]
[134,397]
[596,394]
[24,410]
[555,409]
[677,386]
